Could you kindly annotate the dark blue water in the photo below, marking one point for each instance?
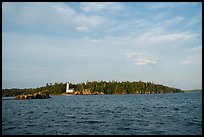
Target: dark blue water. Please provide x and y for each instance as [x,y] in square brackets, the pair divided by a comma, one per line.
[143,114]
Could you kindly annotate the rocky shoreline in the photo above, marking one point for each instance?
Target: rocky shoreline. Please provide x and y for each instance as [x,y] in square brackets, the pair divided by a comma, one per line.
[84,92]
[38,95]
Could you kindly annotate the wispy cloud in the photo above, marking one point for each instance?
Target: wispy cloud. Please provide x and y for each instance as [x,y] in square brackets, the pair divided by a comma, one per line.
[144,62]
[51,16]
[100,6]
[162,5]
[131,54]
[82,29]
[172,21]
[93,39]
[173,37]
[140,58]
[187,62]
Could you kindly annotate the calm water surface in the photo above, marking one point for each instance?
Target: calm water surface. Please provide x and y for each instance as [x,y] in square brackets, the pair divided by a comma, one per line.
[143,114]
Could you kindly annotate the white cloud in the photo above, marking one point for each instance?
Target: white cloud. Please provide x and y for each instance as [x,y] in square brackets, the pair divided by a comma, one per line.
[100,6]
[143,62]
[187,62]
[158,38]
[129,27]
[141,58]
[162,5]
[173,37]
[48,15]
[88,20]
[131,54]
[93,39]
[172,21]
[82,29]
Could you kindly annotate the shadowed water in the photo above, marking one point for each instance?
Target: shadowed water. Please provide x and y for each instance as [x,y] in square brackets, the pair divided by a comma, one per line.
[143,114]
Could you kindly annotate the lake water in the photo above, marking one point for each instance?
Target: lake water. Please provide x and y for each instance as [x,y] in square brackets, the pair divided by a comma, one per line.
[129,114]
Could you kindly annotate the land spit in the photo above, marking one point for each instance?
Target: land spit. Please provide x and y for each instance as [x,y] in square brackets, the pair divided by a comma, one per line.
[38,95]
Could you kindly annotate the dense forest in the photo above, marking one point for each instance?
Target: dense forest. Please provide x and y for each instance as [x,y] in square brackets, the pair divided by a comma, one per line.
[111,87]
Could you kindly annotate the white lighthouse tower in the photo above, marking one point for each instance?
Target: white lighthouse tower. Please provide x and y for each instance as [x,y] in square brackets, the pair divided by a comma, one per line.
[68,90]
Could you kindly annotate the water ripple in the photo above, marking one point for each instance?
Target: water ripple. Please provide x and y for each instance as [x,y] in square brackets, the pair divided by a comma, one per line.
[157,114]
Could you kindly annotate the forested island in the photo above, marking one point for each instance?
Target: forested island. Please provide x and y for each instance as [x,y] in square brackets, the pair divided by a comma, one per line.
[94,87]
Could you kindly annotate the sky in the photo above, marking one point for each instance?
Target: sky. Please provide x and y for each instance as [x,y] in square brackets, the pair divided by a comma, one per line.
[76,42]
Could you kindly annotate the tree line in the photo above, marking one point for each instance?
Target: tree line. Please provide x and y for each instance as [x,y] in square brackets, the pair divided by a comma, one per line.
[110,87]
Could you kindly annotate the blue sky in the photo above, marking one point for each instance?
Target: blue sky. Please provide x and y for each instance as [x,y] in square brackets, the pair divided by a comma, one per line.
[75,42]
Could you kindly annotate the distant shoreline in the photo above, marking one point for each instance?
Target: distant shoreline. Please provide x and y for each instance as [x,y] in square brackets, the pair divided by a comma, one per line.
[193,90]
[185,91]
[98,87]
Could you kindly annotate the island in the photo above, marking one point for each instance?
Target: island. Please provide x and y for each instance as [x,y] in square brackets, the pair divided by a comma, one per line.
[93,88]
